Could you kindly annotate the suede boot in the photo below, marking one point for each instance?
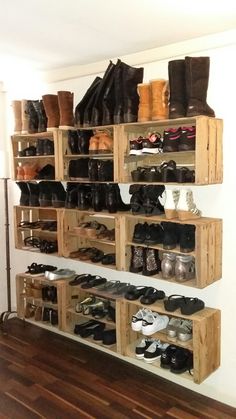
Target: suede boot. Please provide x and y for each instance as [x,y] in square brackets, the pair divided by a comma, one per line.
[197,77]
[80,108]
[145,103]
[50,103]
[131,77]
[178,100]
[65,101]
[42,118]
[16,107]
[160,95]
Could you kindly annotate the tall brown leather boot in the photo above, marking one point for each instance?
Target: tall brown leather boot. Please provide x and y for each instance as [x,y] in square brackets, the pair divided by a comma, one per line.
[16,107]
[160,95]
[50,103]
[178,101]
[145,104]
[65,101]
[197,77]
[24,117]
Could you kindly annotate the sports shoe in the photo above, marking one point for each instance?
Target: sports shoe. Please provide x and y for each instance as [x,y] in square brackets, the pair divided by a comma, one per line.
[172,327]
[153,322]
[136,146]
[137,319]
[184,330]
[152,144]
[154,351]
[171,139]
[181,361]
[142,346]
[167,355]
[187,139]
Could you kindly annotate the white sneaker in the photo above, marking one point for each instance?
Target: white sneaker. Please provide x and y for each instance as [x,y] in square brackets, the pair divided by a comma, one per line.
[154,351]
[186,207]
[137,319]
[142,346]
[153,322]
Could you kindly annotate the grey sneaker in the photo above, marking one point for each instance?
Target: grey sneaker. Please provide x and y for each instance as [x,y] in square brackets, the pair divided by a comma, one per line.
[184,331]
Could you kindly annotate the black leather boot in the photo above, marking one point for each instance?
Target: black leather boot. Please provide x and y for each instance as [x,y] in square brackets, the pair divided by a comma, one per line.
[152,263]
[48,147]
[137,199]
[45,194]
[151,203]
[71,195]
[40,147]
[131,77]
[84,197]
[98,197]
[42,118]
[118,116]
[108,102]
[93,170]
[171,235]
[24,197]
[97,116]
[78,169]
[33,117]
[105,170]
[137,259]
[73,141]
[58,195]
[47,172]
[187,238]
[178,100]
[114,201]
[87,120]
[80,108]
[83,140]
[33,194]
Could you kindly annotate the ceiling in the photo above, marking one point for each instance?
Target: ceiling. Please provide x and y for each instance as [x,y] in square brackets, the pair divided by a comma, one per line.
[50,34]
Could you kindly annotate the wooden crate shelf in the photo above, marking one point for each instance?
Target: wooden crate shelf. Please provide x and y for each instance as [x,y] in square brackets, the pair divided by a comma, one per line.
[206,160]
[207,253]
[20,142]
[34,214]
[205,343]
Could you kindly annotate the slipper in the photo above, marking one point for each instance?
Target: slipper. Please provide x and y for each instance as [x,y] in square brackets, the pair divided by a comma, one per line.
[174,302]
[94,280]
[191,305]
[80,278]
[151,295]
[133,292]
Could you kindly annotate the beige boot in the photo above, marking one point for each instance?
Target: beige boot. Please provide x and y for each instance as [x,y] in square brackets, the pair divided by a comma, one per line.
[24,117]
[145,103]
[160,96]
[16,106]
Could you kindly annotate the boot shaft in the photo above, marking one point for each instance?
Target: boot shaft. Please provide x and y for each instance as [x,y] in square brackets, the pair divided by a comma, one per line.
[178,100]
[65,102]
[16,107]
[42,118]
[145,103]
[50,103]
[131,77]
[160,95]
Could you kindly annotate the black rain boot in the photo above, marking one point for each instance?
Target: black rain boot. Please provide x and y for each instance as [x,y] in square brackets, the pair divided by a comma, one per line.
[84,197]
[152,263]
[45,194]
[97,106]
[178,101]
[42,118]
[71,195]
[197,76]
[58,195]
[131,77]
[24,198]
[171,235]
[137,259]
[187,238]
[33,117]
[84,137]
[73,141]
[33,194]
[80,108]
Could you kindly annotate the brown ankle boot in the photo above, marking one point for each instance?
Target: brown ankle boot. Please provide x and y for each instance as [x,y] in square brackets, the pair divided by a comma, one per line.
[144,109]
[105,143]
[160,94]
[93,144]
[16,106]
[50,103]
[24,117]
[65,100]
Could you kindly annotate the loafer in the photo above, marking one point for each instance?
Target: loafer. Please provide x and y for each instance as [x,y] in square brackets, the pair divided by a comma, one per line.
[59,274]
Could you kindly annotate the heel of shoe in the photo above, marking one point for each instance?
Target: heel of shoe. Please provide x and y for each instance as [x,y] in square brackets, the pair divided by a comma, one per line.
[187,215]
[170,214]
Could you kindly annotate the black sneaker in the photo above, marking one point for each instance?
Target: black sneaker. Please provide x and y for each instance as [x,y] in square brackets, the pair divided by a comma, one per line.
[140,231]
[142,346]
[167,355]
[153,144]
[154,351]
[181,361]
[187,139]
[136,146]
[171,139]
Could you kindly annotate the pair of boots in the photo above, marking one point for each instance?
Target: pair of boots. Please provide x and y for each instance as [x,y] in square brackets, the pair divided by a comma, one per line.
[79,140]
[180,204]
[43,194]
[153,100]
[59,110]
[112,99]
[144,260]
[29,116]
[145,199]
[188,81]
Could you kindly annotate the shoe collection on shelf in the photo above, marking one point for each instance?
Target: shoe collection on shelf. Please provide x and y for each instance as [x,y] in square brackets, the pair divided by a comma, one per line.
[161,233]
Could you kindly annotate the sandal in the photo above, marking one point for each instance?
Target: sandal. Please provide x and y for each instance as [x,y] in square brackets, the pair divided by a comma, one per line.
[94,280]
[174,302]
[191,305]
[133,292]
[151,295]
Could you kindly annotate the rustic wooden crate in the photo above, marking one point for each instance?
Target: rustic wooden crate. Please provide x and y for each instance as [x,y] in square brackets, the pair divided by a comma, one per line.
[22,280]
[205,343]
[206,159]
[24,213]
[207,253]
[64,154]
[20,142]
[72,241]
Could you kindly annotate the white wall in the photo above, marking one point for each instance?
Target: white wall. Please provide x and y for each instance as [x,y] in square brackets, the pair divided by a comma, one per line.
[215,201]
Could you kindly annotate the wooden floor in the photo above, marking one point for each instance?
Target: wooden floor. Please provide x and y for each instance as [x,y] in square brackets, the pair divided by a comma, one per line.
[44,375]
